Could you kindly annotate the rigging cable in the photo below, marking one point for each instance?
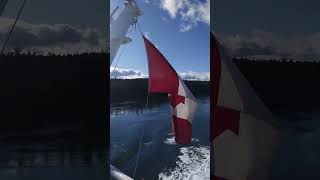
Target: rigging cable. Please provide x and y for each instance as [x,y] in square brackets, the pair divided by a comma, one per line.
[148,86]
[139,28]
[138,155]
[139,150]
[118,59]
[12,28]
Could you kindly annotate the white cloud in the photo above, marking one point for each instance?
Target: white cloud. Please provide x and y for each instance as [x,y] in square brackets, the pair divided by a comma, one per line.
[195,76]
[265,45]
[146,1]
[185,27]
[126,73]
[172,6]
[56,38]
[191,12]
[121,73]
[164,19]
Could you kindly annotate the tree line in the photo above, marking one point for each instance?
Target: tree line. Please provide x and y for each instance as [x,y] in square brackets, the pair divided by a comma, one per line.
[283,83]
[136,89]
[39,91]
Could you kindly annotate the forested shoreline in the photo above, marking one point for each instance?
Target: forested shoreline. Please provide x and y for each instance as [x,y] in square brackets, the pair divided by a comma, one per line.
[280,83]
[37,89]
[41,92]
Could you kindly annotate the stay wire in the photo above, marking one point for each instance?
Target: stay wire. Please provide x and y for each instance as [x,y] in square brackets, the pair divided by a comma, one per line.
[12,28]
[147,104]
[138,155]
[139,150]
[139,28]
[118,59]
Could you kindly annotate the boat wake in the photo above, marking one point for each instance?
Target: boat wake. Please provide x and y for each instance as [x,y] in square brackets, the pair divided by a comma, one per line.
[193,164]
[172,141]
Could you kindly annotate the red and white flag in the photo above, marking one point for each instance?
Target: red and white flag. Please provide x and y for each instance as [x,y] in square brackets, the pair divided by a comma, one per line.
[164,79]
[243,130]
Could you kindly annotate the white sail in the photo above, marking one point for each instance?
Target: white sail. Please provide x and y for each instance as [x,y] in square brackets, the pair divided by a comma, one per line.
[3,4]
[120,25]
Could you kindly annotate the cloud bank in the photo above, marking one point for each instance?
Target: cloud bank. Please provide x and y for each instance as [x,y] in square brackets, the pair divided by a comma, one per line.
[120,73]
[126,73]
[265,45]
[56,38]
[190,12]
[195,76]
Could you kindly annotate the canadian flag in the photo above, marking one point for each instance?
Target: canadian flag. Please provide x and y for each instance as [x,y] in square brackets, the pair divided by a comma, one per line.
[164,79]
[243,130]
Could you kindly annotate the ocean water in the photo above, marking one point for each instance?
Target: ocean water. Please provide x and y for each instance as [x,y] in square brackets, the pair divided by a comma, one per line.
[298,155]
[49,154]
[160,157]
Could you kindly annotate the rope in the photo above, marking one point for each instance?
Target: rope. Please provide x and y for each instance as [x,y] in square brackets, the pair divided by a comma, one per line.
[12,28]
[138,155]
[147,104]
[118,59]
[135,169]
[139,28]
[148,87]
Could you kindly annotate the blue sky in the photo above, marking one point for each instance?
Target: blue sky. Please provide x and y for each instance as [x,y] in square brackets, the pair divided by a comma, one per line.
[182,37]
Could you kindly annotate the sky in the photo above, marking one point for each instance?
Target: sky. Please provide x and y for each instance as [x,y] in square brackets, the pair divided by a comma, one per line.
[268,28]
[179,29]
[59,26]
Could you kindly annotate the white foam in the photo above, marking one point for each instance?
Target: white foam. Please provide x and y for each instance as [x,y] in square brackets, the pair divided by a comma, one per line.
[193,164]
[148,143]
[172,141]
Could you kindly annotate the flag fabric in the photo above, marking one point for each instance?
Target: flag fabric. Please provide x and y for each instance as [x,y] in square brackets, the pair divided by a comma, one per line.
[164,79]
[243,130]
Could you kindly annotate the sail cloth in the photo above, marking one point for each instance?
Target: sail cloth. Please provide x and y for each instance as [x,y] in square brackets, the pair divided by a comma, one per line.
[3,4]
[164,79]
[243,130]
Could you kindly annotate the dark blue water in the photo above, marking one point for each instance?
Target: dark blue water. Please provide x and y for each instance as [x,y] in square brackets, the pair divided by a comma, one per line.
[298,156]
[160,157]
[59,152]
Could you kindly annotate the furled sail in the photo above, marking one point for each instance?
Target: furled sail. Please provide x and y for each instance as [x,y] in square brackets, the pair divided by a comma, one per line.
[243,130]
[120,25]
[164,79]
[3,4]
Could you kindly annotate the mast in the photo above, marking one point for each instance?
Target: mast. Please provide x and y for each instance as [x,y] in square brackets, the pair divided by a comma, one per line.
[120,26]
[3,4]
